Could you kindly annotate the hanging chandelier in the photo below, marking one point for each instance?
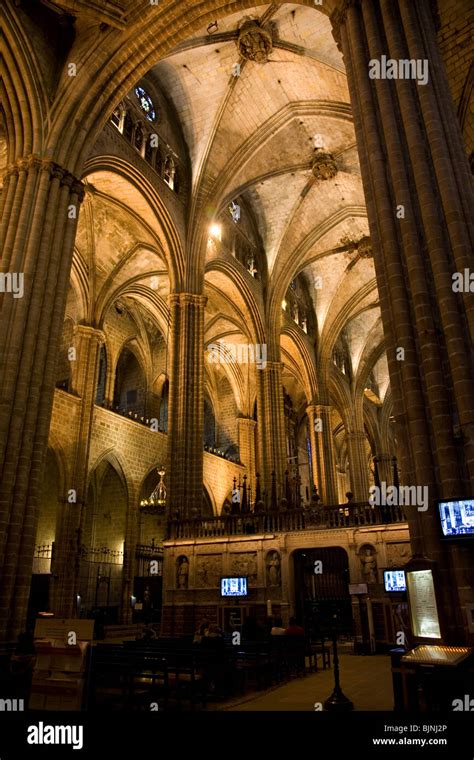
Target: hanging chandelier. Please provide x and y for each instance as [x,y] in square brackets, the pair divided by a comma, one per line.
[156,502]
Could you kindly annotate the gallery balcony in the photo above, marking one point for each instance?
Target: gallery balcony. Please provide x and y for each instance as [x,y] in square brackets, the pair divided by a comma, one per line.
[322,518]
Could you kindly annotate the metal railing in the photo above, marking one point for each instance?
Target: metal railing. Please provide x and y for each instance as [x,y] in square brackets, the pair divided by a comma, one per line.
[102,554]
[320,518]
[146,554]
[44,554]
[139,417]
[43,551]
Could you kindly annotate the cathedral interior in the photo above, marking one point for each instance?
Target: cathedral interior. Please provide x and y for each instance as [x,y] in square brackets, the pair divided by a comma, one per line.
[237,368]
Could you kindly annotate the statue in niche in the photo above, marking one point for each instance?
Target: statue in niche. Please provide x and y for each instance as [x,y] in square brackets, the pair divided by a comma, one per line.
[369,565]
[183,572]
[254,42]
[273,569]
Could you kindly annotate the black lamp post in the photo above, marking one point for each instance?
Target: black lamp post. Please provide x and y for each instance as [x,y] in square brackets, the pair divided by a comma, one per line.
[337,702]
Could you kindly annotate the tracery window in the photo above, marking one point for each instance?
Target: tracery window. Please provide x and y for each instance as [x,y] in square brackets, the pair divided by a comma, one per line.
[146,103]
[126,119]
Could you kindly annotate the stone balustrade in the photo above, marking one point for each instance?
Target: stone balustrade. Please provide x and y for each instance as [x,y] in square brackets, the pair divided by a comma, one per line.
[320,518]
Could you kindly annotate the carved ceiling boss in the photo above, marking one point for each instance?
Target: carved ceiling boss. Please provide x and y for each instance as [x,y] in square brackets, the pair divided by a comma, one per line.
[254,42]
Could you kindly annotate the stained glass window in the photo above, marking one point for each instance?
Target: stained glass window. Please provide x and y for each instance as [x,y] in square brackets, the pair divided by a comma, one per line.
[146,103]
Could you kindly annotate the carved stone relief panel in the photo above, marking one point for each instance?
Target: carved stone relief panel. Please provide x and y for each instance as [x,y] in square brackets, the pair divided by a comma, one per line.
[208,570]
[398,554]
[244,563]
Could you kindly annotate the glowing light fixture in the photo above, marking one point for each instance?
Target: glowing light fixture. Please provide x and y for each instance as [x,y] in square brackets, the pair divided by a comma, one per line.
[215,231]
[284,304]
[156,502]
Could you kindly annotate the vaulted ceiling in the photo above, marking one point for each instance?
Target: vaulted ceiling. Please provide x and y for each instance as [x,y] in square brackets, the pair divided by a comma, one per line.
[253,131]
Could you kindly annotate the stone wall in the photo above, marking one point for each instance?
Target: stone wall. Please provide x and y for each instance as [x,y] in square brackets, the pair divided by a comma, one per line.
[209,559]
[135,447]
[455,39]
[46,529]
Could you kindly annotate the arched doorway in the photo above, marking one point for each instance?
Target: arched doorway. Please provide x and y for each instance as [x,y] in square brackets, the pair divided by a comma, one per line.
[102,548]
[322,589]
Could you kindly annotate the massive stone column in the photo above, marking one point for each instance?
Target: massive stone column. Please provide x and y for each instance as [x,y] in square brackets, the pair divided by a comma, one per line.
[419,195]
[342,484]
[132,534]
[247,447]
[271,427]
[39,210]
[109,383]
[385,468]
[85,370]
[322,452]
[186,402]
[358,467]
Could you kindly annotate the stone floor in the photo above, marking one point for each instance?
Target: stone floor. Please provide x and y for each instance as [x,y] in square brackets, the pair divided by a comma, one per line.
[367,681]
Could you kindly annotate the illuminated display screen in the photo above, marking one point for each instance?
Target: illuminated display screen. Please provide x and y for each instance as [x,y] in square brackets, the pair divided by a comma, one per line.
[234,587]
[457,517]
[394,580]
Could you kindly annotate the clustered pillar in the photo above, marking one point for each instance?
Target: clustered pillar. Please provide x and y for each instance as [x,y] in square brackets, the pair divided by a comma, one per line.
[39,211]
[247,447]
[85,370]
[385,466]
[418,191]
[322,452]
[186,403]
[271,427]
[358,465]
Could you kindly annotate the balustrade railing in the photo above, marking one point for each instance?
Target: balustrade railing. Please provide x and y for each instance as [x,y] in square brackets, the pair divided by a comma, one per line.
[320,518]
